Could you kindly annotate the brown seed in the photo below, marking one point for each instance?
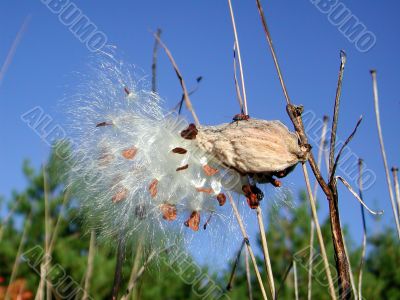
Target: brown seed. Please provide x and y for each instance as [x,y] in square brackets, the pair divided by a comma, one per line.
[129,153]
[205,190]
[168,211]
[179,150]
[209,171]
[190,132]
[153,188]
[104,124]
[127,91]
[194,221]
[120,195]
[182,168]
[221,199]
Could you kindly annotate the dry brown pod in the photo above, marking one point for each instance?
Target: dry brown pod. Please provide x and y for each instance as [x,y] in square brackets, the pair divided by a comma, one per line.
[252,146]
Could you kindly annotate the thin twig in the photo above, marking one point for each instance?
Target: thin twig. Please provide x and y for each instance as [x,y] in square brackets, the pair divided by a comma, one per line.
[364,240]
[245,236]
[319,234]
[248,275]
[18,256]
[239,57]
[267,260]
[344,181]
[118,267]
[235,265]
[352,282]
[181,80]
[378,125]
[312,227]
[395,171]
[154,63]
[336,114]
[285,275]
[348,140]
[13,48]
[135,268]
[296,288]
[238,93]
[140,272]
[89,269]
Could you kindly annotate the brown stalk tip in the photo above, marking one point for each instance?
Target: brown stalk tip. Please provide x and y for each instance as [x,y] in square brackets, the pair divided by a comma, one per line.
[179,150]
[129,153]
[168,211]
[182,168]
[325,118]
[153,188]
[190,132]
[395,169]
[194,221]
[221,199]
[373,71]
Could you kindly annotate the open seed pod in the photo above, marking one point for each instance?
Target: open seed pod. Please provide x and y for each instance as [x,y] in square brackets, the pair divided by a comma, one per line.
[253,147]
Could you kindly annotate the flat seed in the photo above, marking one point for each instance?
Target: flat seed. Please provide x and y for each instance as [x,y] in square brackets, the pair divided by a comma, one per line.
[194,221]
[209,171]
[205,190]
[129,153]
[190,132]
[104,124]
[182,168]
[179,150]
[120,195]
[153,188]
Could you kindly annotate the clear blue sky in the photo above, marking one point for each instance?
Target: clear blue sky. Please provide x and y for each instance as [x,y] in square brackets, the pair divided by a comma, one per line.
[199,34]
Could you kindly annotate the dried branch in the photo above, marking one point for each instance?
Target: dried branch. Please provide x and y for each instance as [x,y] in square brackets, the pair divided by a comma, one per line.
[312,227]
[248,275]
[336,114]
[396,187]
[296,288]
[239,57]
[246,238]
[364,240]
[267,260]
[89,268]
[235,264]
[154,63]
[181,80]
[238,93]
[348,140]
[118,267]
[378,125]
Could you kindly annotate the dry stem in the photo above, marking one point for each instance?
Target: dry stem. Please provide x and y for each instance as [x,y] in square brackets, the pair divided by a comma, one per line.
[378,125]
[239,58]
[364,240]
[245,236]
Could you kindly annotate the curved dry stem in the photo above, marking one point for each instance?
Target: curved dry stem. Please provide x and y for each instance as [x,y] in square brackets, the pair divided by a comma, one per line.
[378,212]
[382,145]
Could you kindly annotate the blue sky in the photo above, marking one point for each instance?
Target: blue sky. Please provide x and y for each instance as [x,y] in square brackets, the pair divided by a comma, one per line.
[199,34]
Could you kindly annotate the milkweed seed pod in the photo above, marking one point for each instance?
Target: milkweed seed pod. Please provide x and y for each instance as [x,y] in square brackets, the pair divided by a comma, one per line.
[140,168]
